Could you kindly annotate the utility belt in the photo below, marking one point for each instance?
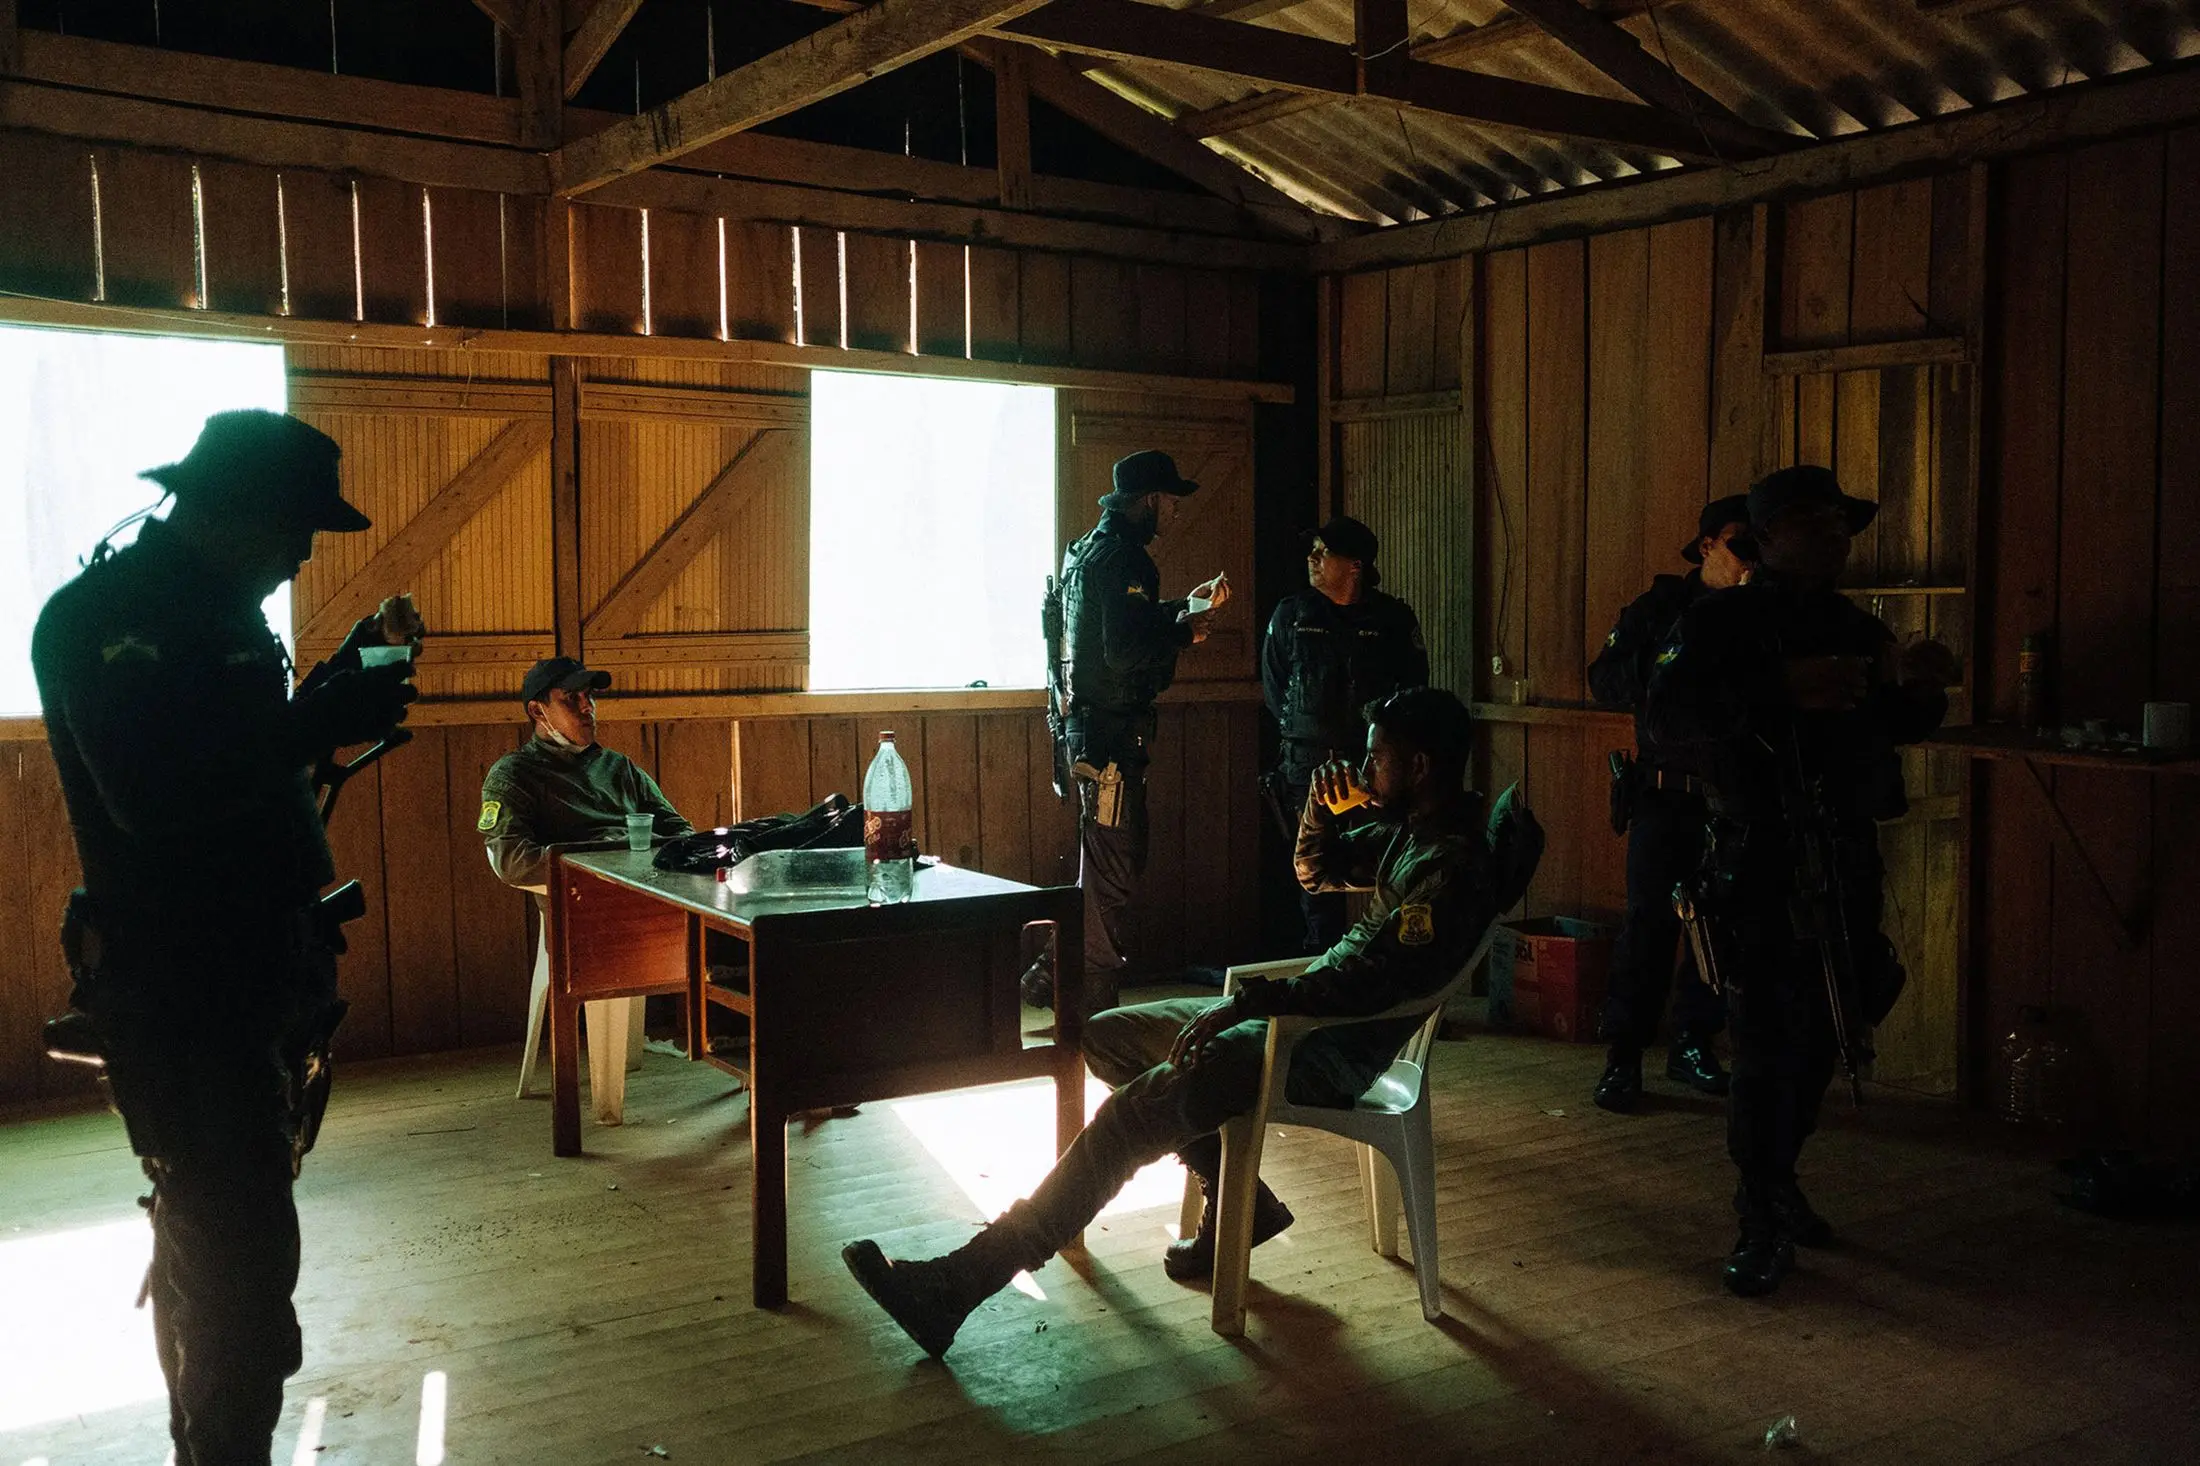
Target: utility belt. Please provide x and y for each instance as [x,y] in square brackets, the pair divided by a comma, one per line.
[1632,778]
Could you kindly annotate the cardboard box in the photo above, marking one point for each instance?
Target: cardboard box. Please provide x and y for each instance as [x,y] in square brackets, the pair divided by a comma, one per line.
[1548,975]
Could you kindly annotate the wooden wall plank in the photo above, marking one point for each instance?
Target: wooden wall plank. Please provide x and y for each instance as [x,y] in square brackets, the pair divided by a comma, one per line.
[1453,302]
[1163,330]
[684,280]
[1043,309]
[1004,795]
[1206,322]
[1740,403]
[878,293]
[1891,273]
[695,769]
[1503,531]
[1362,341]
[759,281]
[1557,445]
[942,324]
[416,875]
[22,931]
[1676,391]
[467,255]
[817,265]
[244,246]
[1244,922]
[490,939]
[2105,667]
[530,281]
[952,789]
[841,750]
[318,246]
[48,245]
[393,251]
[1210,851]
[771,766]
[147,239]
[1159,944]
[1053,819]
[1817,239]
[1103,300]
[50,873]
[363,972]
[1412,336]
[1618,447]
[996,304]
[1244,359]
[606,253]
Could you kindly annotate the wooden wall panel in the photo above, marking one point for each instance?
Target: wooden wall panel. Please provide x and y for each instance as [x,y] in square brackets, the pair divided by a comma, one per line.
[1163,327]
[1043,309]
[760,281]
[393,251]
[1557,446]
[942,321]
[1677,372]
[607,269]
[685,288]
[416,882]
[318,245]
[1363,342]
[1503,607]
[466,257]
[996,304]
[878,286]
[695,769]
[1405,479]
[244,244]
[363,972]
[819,297]
[492,955]
[147,237]
[1103,312]
[48,245]
[1618,533]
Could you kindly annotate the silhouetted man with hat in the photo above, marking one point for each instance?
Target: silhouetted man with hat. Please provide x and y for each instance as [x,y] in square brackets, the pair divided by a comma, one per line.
[1118,651]
[1332,648]
[1657,803]
[199,950]
[1793,701]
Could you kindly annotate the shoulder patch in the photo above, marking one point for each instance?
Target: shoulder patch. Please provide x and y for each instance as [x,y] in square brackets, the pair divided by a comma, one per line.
[1613,638]
[1134,589]
[492,810]
[130,647]
[1416,924]
[1666,657]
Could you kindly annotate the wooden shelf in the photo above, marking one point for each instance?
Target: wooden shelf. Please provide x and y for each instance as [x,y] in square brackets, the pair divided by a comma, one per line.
[1554,715]
[1868,356]
[1999,741]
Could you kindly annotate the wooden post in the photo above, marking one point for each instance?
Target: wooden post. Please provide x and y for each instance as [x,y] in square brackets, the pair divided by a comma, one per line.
[1012,125]
[538,57]
[565,501]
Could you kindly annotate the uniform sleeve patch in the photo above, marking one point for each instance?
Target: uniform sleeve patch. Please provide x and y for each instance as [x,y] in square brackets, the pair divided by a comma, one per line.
[1665,658]
[130,647]
[1135,589]
[1416,925]
[1612,639]
[492,810]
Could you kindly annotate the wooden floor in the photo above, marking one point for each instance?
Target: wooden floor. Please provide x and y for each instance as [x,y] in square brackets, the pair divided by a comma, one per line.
[590,1310]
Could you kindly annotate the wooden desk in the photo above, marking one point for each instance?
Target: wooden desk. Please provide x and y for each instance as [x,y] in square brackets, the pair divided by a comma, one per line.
[847,1002]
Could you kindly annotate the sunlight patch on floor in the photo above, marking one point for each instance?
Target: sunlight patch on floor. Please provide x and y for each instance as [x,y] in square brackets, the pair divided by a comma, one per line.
[76,1342]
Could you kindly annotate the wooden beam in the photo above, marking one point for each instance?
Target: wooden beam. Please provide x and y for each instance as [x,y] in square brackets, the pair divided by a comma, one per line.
[667,188]
[503,12]
[1868,356]
[566,378]
[92,117]
[538,60]
[1621,57]
[1127,31]
[1151,136]
[2130,102]
[565,346]
[406,553]
[664,649]
[764,460]
[1249,111]
[1012,127]
[585,52]
[1379,34]
[887,35]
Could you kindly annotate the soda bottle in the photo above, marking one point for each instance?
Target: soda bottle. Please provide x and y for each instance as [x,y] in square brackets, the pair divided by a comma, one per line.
[887,846]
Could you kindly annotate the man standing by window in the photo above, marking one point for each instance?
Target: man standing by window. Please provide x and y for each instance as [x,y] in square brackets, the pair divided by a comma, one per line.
[1119,647]
[1332,649]
[200,954]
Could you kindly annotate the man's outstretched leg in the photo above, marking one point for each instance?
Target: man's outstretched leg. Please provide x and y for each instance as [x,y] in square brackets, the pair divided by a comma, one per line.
[1163,1108]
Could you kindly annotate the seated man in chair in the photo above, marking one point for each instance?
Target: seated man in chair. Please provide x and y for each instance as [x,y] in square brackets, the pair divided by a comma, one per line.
[1439,873]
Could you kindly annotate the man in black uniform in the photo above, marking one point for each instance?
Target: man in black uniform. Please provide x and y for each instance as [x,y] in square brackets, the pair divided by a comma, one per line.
[198,954]
[563,787]
[1794,699]
[1119,647]
[1332,649]
[1439,871]
[1660,795]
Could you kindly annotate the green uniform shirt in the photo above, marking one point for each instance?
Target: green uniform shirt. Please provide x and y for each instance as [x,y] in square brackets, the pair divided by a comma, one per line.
[544,795]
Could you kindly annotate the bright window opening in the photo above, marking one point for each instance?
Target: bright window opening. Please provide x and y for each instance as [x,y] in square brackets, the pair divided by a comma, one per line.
[931,531]
[80,415]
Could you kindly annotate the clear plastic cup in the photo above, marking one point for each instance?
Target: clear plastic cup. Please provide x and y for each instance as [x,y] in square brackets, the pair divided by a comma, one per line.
[638,830]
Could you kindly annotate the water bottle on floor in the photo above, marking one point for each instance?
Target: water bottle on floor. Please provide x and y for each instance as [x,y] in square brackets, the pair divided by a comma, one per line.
[888,848]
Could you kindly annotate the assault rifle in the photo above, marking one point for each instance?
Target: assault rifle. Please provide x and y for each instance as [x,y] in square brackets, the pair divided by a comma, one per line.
[1816,912]
[1051,624]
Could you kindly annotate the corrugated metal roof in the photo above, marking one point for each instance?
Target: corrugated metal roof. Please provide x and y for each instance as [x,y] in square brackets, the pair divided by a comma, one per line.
[1814,68]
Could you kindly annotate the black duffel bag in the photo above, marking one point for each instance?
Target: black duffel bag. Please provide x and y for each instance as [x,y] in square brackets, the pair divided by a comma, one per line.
[831,824]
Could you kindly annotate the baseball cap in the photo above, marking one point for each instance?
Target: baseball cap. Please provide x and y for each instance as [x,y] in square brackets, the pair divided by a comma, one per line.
[560,672]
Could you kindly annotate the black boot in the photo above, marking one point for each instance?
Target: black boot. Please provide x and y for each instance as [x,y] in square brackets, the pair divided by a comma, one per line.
[1620,1090]
[1691,1062]
[931,1298]
[1189,1259]
[1797,1219]
[1761,1257]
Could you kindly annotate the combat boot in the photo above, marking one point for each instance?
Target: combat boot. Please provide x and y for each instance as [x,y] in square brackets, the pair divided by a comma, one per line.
[1189,1259]
[1691,1062]
[1798,1219]
[1763,1253]
[930,1298]
[1620,1089]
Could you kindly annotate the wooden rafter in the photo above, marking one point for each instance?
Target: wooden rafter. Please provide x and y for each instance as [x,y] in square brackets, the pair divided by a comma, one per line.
[1621,57]
[890,34]
[592,42]
[424,536]
[1125,30]
[500,11]
[765,459]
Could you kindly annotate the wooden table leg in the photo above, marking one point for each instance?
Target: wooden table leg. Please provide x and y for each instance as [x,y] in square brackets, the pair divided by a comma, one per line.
[565,1072]
[767,1200]
[698,1005]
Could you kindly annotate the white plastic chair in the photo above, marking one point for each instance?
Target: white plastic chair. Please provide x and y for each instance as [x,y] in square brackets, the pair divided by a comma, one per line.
[614,1026]
[1397,1144]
